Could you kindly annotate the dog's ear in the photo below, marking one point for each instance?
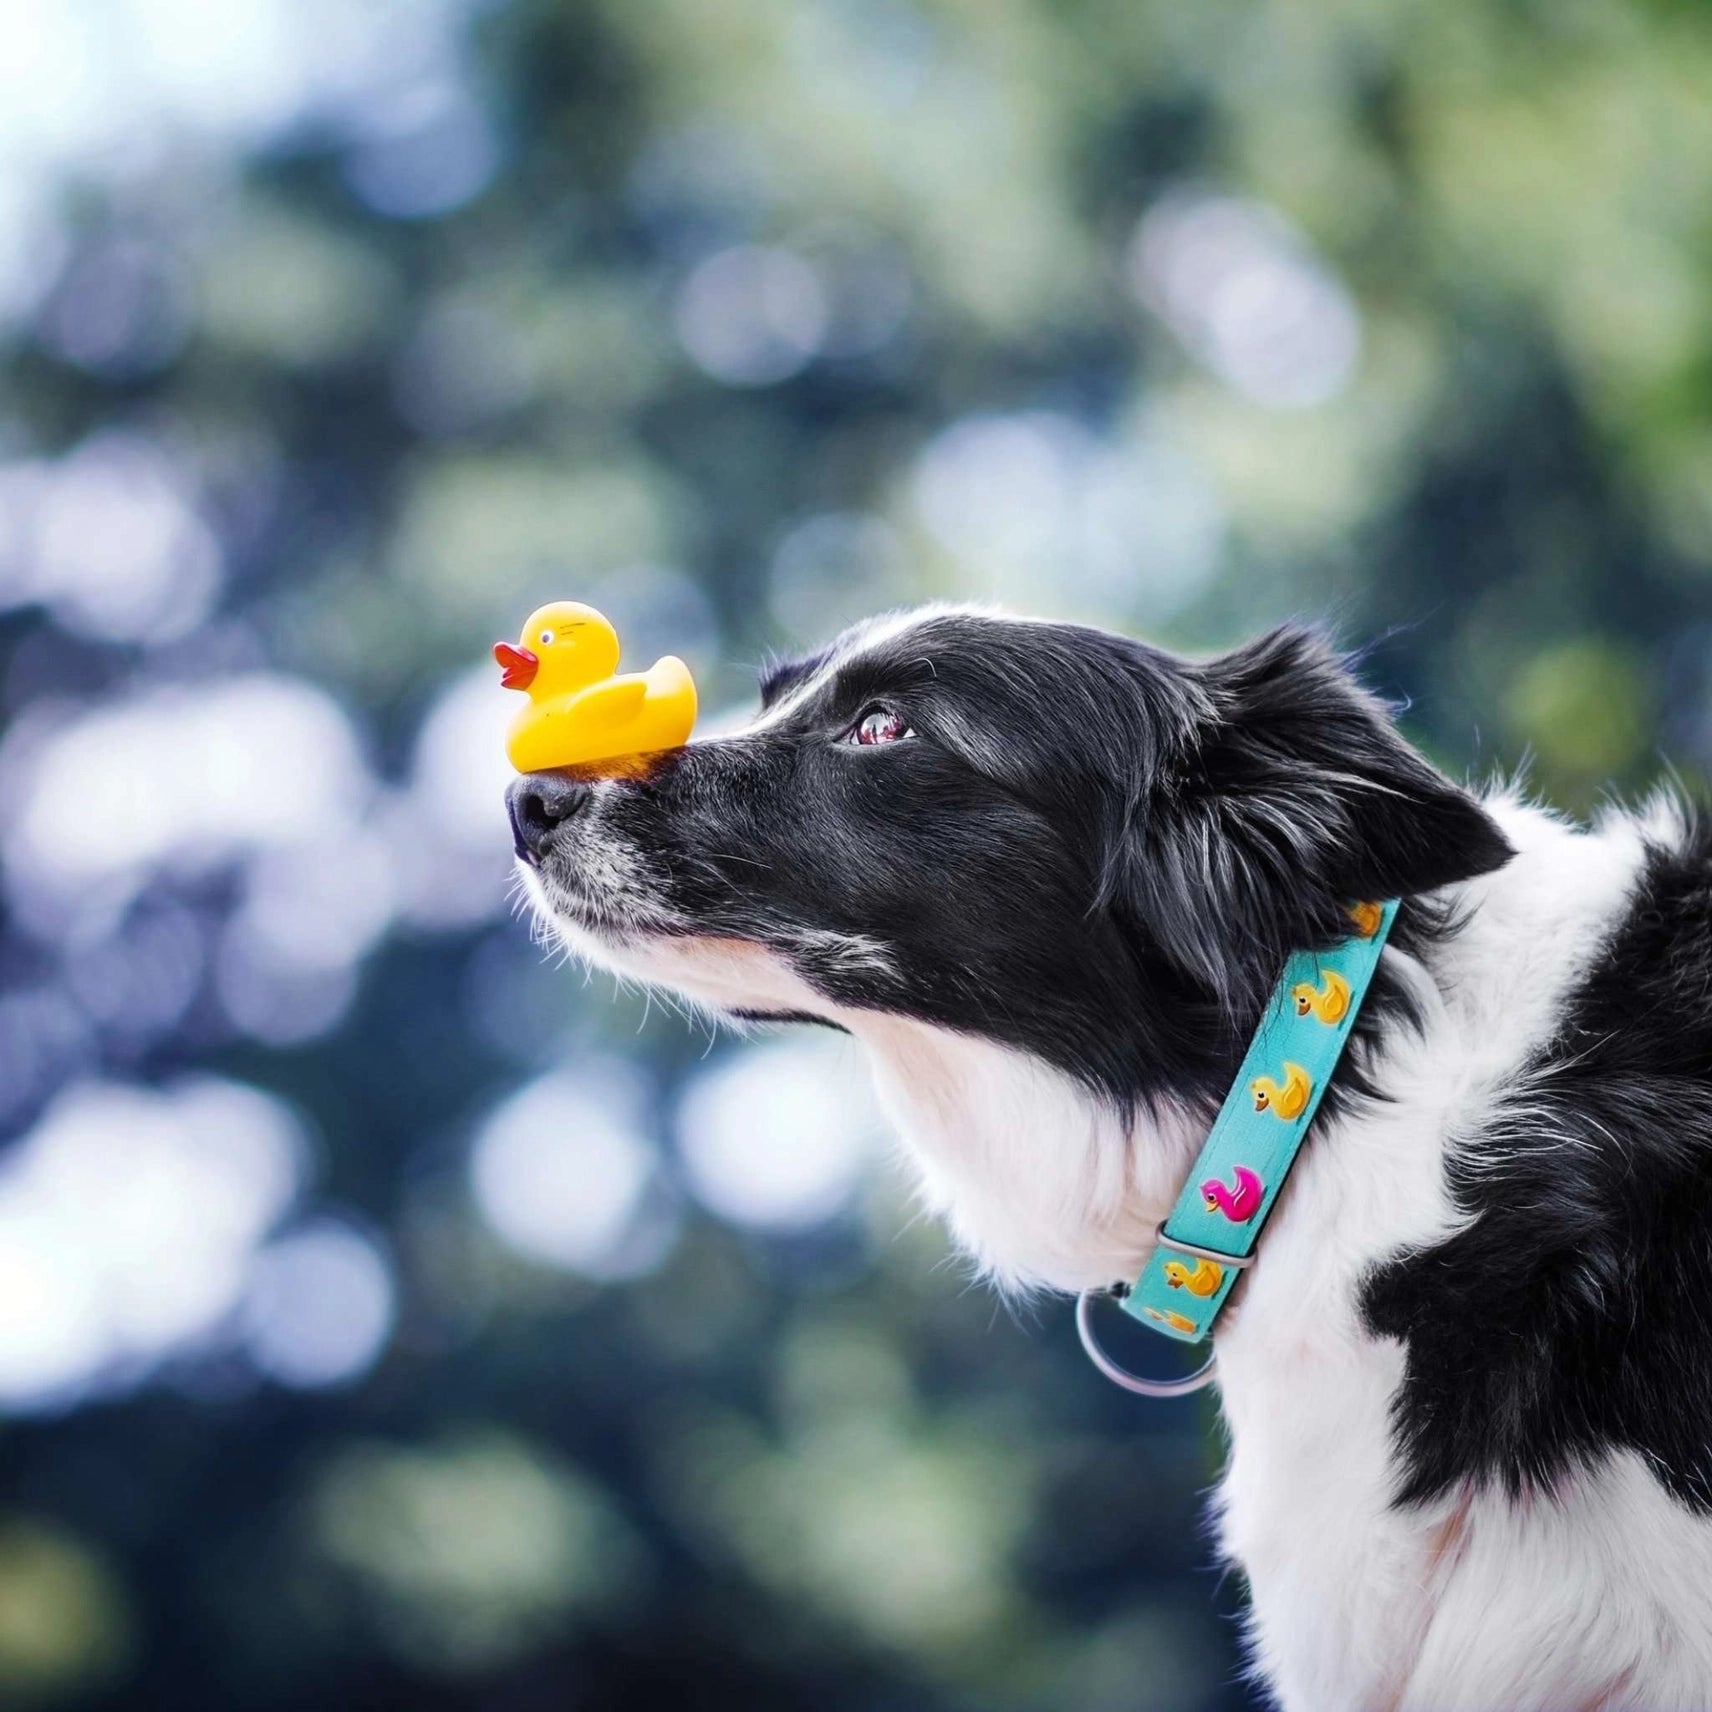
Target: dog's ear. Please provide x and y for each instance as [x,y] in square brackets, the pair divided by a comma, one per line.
[1293,797]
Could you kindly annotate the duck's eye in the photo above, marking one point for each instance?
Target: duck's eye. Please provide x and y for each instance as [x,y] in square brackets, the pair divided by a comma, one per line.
[546,638]
[880,725]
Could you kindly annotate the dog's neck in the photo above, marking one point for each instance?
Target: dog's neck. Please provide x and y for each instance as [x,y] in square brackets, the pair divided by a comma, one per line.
[1044,1185]
[1039,1180]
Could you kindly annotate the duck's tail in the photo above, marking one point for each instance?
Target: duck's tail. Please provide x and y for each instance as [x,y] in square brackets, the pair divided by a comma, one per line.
[669,676]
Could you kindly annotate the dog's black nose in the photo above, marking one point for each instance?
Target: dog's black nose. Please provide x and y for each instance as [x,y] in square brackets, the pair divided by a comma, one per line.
[539,804]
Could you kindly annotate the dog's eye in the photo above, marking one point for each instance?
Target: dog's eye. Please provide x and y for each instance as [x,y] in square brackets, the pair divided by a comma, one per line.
[880,725]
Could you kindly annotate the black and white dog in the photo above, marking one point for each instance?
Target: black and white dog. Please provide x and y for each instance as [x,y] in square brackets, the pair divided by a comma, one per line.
[1048,876]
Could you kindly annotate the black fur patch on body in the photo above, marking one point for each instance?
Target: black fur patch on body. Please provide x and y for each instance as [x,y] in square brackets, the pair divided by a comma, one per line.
[1573,1317]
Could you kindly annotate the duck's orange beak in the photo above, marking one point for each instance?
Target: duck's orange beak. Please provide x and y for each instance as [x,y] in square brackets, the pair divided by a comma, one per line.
[518,665]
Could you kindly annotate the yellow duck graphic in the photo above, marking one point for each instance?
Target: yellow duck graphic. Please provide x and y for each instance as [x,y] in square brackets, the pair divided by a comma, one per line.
[1287,1099]
[1168,1317]
[1205,1277]
[1329,1001]
[1367,918]
[578,711]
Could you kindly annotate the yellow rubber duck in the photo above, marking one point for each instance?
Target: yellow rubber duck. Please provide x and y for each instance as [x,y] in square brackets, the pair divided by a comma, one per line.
[579,712]
[1329,1001]
[1287,1099]
[1202,1280]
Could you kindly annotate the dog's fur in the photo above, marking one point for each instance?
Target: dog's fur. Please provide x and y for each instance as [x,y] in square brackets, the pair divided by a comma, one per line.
[1469,1383]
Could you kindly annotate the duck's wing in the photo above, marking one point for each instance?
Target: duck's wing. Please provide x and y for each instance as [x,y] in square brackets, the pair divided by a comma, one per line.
[613,701]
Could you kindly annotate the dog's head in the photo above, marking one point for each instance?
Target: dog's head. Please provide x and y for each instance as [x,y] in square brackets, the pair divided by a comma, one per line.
[1035,834]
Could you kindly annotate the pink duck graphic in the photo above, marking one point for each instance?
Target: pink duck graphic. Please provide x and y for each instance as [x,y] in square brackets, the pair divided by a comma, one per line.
[1238,1204]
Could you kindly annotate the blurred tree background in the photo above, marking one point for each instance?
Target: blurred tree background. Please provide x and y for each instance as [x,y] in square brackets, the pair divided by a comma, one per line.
[388,1319]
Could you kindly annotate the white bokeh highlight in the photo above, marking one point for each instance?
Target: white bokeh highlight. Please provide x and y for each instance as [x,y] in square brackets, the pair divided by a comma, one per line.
[194,774]
[422,152]
[263,773]
[320,1306]
[1244,290]
[777,1137]
[97,88]
[1038,510]
[447,832]
[752,315]
[266,775]
[566,1173]
[110,540]
[129,1218]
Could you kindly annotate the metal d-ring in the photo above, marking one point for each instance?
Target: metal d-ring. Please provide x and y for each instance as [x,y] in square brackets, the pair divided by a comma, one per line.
[1121,1375]
[1230,1262]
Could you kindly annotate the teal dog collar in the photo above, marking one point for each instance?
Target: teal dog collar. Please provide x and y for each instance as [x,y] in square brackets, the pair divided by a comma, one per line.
[1210,1237]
